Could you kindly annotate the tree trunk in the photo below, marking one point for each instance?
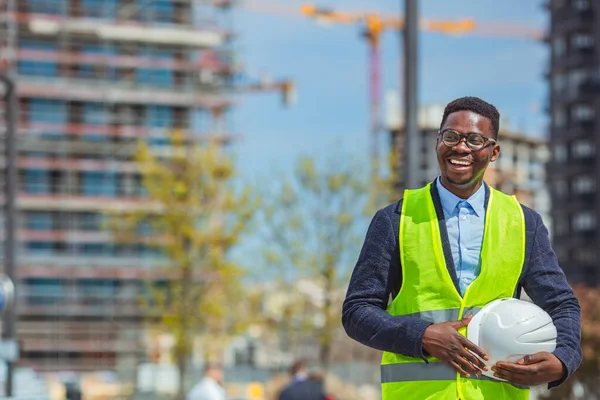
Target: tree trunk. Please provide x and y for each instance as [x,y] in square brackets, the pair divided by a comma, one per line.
[184,333]
[182,367]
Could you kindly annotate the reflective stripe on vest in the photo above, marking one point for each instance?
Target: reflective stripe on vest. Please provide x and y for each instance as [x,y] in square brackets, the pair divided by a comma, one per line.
[436,371]
[435,316]
[428,292]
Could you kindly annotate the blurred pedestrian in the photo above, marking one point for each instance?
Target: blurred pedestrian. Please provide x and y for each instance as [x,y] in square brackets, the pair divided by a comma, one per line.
[210,386]
[303,386]
[426,265]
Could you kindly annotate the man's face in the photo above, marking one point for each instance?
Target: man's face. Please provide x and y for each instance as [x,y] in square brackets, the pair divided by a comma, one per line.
[459,175]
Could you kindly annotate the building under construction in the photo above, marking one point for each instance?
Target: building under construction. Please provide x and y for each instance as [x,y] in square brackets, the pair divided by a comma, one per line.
[93,77]
[574,110]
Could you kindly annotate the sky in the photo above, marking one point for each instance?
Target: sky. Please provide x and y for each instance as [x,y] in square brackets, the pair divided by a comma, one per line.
[329,66]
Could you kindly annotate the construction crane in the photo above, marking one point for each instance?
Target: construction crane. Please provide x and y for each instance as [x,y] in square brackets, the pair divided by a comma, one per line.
[375,23]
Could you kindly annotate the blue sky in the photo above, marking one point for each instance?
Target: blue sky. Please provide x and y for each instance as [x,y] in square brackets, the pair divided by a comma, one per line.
[329,67]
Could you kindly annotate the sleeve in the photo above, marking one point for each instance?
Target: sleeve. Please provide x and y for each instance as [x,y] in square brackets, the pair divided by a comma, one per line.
[377,271]
[546,284]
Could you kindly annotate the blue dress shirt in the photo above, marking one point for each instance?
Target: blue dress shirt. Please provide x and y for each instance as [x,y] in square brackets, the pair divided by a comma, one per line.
[465,221]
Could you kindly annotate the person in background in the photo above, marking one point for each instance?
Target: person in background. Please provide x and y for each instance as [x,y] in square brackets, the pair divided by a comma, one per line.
[303,386]
[210,386]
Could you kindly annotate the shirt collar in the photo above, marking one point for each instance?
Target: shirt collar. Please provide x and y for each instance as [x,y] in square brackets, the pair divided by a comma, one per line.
[449,200]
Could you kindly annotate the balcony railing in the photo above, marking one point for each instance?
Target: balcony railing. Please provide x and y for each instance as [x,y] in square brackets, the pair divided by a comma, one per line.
[119,92]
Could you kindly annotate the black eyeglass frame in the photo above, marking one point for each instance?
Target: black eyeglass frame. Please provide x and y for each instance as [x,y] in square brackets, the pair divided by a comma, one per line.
[466,137]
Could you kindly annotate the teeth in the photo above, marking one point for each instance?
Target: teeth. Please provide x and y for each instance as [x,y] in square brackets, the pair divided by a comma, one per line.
[459,162]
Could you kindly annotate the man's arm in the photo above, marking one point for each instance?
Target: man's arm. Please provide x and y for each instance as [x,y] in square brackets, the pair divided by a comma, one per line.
[376,273]
[546,284]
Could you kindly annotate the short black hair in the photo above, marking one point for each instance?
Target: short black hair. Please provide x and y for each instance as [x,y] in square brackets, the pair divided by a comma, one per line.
[476,105]
[296,367]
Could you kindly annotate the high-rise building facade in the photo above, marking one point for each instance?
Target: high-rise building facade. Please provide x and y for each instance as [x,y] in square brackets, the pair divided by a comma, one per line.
[574,107]
[93,77]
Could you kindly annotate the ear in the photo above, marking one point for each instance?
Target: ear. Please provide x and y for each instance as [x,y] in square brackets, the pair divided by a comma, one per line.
[495,152]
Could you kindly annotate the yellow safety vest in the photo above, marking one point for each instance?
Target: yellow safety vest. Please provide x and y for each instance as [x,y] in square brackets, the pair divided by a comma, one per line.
[428,293]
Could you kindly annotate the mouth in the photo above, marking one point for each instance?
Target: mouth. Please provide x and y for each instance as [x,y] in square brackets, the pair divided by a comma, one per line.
[459,165]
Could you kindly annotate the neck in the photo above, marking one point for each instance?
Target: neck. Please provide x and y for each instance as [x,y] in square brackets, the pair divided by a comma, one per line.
[463,191]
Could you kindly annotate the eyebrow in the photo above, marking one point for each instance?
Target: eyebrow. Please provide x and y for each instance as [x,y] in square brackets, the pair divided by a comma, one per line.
[456,130]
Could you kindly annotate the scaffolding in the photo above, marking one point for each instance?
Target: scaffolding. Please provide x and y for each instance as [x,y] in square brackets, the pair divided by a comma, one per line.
[94,77]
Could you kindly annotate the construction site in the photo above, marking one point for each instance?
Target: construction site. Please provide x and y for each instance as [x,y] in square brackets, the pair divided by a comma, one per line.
[94,77]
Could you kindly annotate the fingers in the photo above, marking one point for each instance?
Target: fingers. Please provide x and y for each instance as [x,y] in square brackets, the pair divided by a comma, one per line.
[512,375]
[477,363]
[534,358]
[461,323]
[458,367]
[517,368]
[473,347]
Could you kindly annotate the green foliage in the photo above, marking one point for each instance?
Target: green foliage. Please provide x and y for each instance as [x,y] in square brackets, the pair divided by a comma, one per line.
[195,217]
[312,226]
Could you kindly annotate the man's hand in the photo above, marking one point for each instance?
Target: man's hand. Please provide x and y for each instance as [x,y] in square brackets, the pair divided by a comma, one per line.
[445,343]
[531,370]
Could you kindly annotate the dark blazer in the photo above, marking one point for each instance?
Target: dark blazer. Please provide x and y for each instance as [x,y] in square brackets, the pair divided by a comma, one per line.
[304,390]
[377,277]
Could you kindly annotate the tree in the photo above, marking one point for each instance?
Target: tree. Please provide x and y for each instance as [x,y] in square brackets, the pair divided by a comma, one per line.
[312,226]
[583,384]
[193,217]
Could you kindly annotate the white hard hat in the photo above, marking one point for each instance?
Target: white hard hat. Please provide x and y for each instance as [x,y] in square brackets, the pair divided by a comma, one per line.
[509,329]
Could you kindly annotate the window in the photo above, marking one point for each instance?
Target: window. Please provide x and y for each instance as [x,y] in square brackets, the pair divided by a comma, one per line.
[54,7]
[582,41]
[584,221]
[48,117]
[95,114]
[36,181]
[561,188]
[44,291]
[582,112]
[585,254]
[583,148]
[38,68]
[558,82]
[161,77]
[561,225]
[581,5]
[90,69]
[89,222]
[559,117]
[39,248]
[99,8]
[99,183]
[38,221]
[156,11]
[159,116]
[560,153]
[559,46]
[95,249]
[584,185]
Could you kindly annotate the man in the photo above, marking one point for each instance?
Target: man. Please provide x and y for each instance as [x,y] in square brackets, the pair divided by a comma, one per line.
[209,387]
[302,385]
[425,259]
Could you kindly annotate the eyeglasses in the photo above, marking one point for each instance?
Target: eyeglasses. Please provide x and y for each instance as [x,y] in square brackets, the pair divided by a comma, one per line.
[475,141]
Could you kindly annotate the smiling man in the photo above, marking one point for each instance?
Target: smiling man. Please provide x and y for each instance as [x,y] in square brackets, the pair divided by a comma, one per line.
[443,252]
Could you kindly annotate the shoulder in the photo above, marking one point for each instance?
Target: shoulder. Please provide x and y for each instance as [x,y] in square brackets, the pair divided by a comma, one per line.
[532,218]
[387,218]
[391,210]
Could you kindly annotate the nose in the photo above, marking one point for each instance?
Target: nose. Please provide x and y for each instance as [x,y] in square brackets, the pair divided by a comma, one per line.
[461,146]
